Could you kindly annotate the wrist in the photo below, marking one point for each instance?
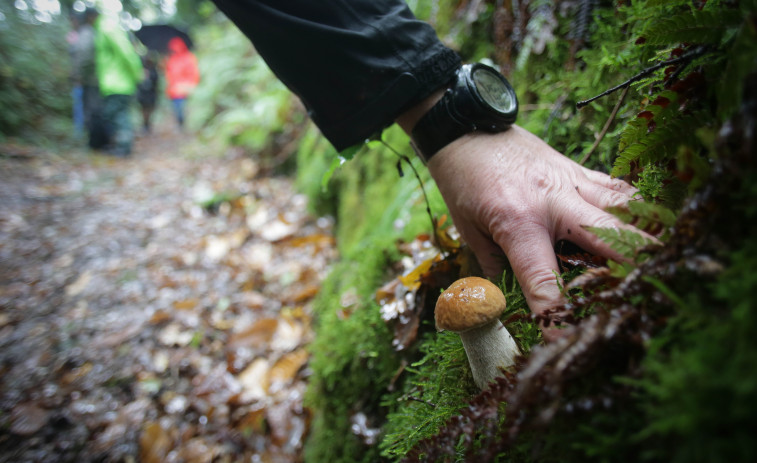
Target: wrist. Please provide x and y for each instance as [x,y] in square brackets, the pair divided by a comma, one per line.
[478,99]
[409,118]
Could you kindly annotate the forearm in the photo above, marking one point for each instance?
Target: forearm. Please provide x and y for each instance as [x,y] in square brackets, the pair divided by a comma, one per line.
[355,64]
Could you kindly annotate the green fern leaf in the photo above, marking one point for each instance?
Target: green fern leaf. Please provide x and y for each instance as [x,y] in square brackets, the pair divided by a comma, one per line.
[624,242]
[644,214]
[699,27]
[742,61]
[659,145]
[634,130]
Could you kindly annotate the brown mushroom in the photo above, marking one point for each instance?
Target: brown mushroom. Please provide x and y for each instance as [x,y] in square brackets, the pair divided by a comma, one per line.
[471,307]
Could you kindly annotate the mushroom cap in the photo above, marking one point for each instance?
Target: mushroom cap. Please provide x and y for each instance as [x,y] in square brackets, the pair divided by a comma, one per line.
[469,303]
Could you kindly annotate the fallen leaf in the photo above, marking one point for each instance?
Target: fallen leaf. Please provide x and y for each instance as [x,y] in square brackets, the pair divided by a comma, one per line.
[186,304]
[257,335]
[154,443]
[277,231]
[288,336]
[27,419]
[285,369]
[76,373]
[254,381]
[252,422]
[75,288]
[172,335]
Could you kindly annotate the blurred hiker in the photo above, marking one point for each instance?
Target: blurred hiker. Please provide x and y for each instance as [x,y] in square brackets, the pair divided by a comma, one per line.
[85,93]
[147,91]
[362,68]
[119,70]
[182,76]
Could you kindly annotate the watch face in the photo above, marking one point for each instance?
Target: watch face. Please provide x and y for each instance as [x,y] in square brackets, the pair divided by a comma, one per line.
[493,90]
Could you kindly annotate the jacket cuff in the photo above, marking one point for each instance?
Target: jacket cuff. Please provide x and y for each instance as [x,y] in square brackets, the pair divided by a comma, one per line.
[407,90]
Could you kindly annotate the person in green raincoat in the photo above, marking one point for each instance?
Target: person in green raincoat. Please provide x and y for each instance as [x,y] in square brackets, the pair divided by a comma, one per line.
[119,70]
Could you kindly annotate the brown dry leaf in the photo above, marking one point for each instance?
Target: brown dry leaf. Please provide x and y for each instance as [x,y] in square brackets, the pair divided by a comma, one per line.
[155,443]
[160,316]
[446,241]
[257,335]
[186,304]
[252,299]
[27,418]
[198,450]
[76,373]
[252,422]
[286,368]
[388,292]
[319,240]
[254,381]
[75,288]
[412,280]
[288,336]
[304,294]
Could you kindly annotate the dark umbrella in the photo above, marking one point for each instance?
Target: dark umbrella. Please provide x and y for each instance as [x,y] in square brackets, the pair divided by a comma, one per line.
[157,36]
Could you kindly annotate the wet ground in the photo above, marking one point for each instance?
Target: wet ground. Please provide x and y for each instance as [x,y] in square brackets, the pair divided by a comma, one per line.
[154,308]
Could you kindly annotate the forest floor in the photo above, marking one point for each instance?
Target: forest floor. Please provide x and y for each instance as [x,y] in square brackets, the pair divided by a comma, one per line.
[154,308]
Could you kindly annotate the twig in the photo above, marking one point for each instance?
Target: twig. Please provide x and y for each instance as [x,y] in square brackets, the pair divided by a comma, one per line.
[685,57]
[423,190]
[606,127]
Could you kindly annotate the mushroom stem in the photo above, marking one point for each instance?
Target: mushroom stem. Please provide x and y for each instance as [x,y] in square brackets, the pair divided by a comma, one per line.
[489,348]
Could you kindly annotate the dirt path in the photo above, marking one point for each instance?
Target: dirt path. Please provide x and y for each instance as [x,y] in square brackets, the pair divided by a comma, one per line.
[154,308]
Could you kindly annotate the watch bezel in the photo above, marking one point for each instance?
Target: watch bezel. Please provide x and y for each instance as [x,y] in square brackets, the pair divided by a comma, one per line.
[472,109]
[461,110]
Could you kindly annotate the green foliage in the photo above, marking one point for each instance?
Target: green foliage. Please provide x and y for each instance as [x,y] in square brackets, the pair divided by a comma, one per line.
[239,101]
[740,59]
[35,91]
[440,382]
[659,145]
[692,26]
[700,387]
[352,358]
[624,242]
[661,138]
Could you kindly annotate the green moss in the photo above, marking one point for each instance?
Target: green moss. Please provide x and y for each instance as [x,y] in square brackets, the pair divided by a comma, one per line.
[692,398]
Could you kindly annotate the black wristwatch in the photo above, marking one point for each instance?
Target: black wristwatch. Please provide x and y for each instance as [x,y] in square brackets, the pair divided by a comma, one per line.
[480,98]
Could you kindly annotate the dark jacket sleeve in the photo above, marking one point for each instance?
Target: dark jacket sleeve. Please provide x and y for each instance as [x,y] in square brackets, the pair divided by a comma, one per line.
[355,64]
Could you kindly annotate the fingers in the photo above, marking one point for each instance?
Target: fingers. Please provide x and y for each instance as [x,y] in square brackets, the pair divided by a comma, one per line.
[532,257]
[609,182]
[603,197]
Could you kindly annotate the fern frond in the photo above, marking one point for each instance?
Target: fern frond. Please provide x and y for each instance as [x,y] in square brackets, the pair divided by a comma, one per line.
[660,144]
[741,62]
[666,3]
[697,27]
[645,215]
[624,242]
[636,128]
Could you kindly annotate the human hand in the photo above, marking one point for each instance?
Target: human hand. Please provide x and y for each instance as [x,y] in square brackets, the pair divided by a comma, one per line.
[511,192]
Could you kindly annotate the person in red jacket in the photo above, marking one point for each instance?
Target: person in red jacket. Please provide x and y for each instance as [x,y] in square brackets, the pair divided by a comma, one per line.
[182,76]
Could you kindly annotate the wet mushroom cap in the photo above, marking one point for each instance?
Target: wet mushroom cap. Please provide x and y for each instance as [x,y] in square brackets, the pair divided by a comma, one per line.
[468,303]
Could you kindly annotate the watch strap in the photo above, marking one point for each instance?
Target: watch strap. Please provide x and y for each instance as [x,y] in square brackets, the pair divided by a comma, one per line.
[438,128]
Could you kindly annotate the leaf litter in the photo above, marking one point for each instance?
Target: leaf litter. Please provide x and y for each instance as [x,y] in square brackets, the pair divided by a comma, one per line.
[155,308]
